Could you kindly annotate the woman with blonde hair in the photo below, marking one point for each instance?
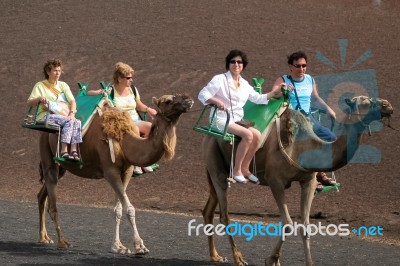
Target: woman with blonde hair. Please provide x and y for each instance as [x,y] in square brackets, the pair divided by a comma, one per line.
[126,97]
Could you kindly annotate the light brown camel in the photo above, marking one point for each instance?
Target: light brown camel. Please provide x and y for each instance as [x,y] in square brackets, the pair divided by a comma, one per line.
[278,167]
[129,149]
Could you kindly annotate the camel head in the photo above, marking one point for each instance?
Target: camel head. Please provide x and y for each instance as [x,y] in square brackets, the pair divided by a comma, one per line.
[369,109]
[170,107]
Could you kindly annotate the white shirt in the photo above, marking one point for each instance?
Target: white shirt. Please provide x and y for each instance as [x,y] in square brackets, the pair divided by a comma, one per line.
[222,87]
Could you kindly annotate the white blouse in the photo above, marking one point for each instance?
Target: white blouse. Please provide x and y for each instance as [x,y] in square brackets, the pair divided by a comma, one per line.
[222,87]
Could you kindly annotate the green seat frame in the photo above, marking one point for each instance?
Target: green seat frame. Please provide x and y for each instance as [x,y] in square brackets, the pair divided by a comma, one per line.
[30,122]
[211,130]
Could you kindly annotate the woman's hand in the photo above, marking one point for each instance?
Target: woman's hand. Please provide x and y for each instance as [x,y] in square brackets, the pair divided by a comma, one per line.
[72,116]
[220,105]
[43,100]
[151,112]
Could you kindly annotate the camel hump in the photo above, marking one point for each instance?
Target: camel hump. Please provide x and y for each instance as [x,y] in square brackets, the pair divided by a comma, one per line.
[116,123]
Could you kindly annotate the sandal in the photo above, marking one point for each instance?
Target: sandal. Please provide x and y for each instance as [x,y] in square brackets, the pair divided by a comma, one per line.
[75,156]
[319,186]
[65,155]
[325,180]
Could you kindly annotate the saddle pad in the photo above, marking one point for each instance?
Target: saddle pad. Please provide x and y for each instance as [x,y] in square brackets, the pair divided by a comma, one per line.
[262,114]
[86,108]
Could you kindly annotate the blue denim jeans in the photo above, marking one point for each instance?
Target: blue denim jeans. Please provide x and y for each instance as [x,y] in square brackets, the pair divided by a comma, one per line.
[321,131]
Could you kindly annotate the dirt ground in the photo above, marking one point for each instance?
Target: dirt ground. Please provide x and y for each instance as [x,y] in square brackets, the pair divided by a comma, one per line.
[177,46]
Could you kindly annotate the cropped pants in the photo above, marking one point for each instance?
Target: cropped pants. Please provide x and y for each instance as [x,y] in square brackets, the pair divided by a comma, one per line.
[71,132]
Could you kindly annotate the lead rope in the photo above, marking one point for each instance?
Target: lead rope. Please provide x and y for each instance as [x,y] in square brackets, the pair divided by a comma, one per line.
[230,178]
[334,178]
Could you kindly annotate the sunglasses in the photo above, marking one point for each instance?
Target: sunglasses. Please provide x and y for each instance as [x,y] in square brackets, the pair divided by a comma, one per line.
[236,62]
[300,65]
[128,78]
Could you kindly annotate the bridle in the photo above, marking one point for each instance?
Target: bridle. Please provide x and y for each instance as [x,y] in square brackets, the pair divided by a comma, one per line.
[354,110]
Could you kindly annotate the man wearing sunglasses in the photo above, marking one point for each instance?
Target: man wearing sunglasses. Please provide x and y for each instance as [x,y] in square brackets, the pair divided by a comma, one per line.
[303,92]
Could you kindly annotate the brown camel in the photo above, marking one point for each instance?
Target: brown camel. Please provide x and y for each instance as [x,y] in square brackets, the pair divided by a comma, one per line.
[129,149]
[296,156]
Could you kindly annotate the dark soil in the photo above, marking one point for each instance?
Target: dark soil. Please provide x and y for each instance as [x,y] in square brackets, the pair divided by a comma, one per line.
[177,46]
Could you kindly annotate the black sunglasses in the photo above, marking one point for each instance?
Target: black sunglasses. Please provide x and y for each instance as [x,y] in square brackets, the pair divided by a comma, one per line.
[128,78]
[236,61]
[300,65]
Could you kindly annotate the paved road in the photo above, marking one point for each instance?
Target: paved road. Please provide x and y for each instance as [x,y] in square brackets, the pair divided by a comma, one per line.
[166,235]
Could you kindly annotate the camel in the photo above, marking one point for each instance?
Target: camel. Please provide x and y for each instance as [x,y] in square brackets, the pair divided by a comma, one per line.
[295,156]
[129,149]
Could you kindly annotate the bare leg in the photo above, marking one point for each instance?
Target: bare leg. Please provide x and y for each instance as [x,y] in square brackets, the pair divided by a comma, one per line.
[144,128]
[251,151]
[64,147]
[73,147]
[243,146]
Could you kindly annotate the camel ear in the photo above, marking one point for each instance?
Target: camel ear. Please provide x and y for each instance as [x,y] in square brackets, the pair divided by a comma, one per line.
[349,102]
[155,100]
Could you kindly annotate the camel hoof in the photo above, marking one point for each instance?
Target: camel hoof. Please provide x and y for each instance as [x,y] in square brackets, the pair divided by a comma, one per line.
[118,248]
[272,262]
[219,259]
[121,250]
[45,241]
[64,244]
[142,251]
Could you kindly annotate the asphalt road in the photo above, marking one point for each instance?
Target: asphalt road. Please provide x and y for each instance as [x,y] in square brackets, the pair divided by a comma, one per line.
[165,235]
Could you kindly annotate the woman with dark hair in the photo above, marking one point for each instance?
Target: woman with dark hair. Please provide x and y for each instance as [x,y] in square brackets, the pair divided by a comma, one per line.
[229,91]
[56,101]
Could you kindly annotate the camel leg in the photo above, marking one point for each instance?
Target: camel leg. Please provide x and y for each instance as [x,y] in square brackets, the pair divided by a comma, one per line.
[117,246]
[42,202]
[51,186]
[221,192]
[278,192]
[307,195]
[237,254]
[208,216]
[119,189]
